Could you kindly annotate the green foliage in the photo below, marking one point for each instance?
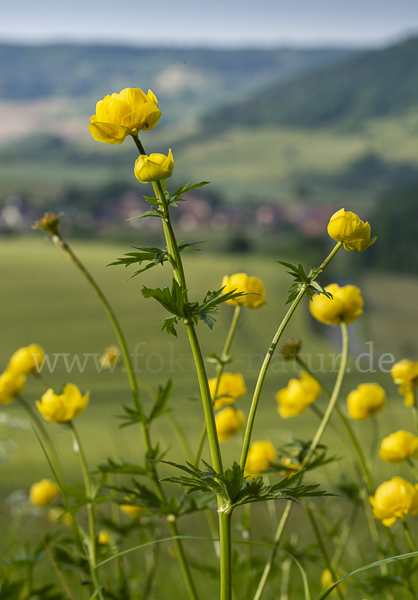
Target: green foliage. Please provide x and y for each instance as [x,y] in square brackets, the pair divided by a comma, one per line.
[174,301]
[153,256]
[304,281]
[235,489]
[158,409]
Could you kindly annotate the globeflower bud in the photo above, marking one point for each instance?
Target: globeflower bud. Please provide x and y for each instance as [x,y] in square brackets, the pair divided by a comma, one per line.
[297,396]
[398,446]
[405,372]
[252,287]
[260,455]
[393,500]
[49,223]
[346,305]
[132,510]
[327,581]
[26,360]
[366,400]
[231,387]
[111,358]
[43,492]
[62,409]
[11,384]
[290,349]
[347,227]
[228,422]
[154,167]
[124,114]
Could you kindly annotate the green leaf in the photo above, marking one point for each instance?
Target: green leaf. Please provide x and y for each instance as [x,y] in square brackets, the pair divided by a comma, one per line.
[187,187]
[132,416]
[123,467]
[163,396]
[209,307]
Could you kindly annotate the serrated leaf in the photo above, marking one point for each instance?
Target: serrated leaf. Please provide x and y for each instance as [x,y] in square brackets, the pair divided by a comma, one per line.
[163,396]
[148,213]
[187,187]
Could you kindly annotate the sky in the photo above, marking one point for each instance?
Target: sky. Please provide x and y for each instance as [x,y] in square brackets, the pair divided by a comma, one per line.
[224,23]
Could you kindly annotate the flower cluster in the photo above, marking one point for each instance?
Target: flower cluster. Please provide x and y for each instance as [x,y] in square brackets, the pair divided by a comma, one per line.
[25,361]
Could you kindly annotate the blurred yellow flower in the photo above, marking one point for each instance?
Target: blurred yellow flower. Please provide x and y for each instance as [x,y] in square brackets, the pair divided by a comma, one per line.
[62,409]
[124,114]
[251,286]
[131,510]
[43,492]
[56,514]
[393,500]
[347,227]
[11,384]
[405,372]
[298,395]
[228,422]
[327,581]
[346,305]
[398,446]
[111,358]
[103,538]
[154,167]
[366,400]
[260,455]
[231,386]
[26,360]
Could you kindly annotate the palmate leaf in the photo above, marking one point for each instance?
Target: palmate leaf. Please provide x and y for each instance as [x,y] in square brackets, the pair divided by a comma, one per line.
[303,281]
[174,199]
[123,467]
[235,489]
[209,307]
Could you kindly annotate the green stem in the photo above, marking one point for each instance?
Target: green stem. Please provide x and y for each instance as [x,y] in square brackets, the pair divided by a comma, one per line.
[322,547]
[219,371]
[413,467]
[334,396]
[269,356]
[226,560]
[78,448]
[346,425]
[43,433]
[273,551]
[62,243]
[408,536]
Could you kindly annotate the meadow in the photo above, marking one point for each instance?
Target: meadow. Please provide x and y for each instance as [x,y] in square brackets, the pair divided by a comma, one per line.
[44,300]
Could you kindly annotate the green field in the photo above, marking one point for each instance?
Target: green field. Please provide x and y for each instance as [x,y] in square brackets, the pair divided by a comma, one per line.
[45,300]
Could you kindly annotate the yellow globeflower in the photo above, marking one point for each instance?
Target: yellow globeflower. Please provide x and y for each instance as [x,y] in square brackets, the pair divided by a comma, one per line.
[346,305]
[251,286]
[132,510]
[228,422]
[260,455]
[405,372]
[43,492]
[124,114]
[103,538]
[393,500]
[62,409]
[347,227]
[231,386]
[398,446]
[327,581]
[27,360]
[11,384]
[154,167]
[298,395]
[366,400]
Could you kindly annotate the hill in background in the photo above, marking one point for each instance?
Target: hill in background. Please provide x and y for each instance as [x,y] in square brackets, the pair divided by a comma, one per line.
[373,84]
